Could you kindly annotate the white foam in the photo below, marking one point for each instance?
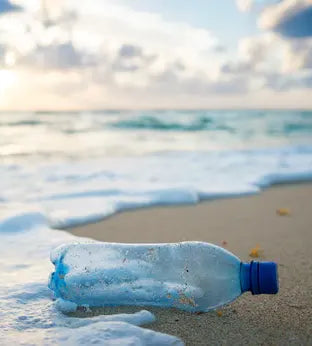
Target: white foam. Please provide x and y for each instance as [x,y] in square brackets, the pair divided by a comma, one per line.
[68,193]
[61,191]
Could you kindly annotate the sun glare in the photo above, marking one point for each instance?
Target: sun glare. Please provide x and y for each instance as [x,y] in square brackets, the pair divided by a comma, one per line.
[7,80]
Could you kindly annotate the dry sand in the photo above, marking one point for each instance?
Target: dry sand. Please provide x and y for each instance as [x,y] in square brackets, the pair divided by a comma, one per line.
[243,223]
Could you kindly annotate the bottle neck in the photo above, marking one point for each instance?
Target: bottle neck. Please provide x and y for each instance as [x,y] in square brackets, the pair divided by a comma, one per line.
[259,277]
[249,277]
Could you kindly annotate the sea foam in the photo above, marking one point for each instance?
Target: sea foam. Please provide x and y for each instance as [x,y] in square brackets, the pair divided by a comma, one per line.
[58,193]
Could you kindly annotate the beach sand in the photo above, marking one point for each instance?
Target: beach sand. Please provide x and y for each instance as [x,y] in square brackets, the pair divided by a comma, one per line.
[238,224]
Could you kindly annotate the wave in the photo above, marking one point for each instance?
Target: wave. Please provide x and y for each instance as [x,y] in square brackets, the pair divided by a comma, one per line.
[31,122]
[107,186]
[202,123]
[238,124]
[21,221]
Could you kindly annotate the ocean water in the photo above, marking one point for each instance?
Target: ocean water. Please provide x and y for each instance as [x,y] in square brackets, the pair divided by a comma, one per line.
[62,169]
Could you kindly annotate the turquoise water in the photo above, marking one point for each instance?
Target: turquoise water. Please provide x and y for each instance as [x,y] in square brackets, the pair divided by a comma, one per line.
[241,123]
[79,135]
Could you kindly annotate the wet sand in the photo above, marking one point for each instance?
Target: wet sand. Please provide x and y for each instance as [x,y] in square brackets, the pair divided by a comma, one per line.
[238,224]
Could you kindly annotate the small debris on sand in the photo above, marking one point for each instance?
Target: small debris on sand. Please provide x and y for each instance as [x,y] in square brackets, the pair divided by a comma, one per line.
[255,252]
[219,313]
[283,212]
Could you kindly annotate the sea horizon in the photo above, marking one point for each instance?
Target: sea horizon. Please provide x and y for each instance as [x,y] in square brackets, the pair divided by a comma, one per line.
[161,109]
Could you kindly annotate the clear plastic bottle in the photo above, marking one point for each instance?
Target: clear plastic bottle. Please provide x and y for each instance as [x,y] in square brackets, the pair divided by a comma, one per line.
[192,276]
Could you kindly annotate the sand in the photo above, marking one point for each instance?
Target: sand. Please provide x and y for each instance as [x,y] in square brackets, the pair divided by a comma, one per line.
[242,223]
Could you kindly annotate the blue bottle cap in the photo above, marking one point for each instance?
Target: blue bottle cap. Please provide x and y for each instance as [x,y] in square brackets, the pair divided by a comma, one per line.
[268,278]
[259,277]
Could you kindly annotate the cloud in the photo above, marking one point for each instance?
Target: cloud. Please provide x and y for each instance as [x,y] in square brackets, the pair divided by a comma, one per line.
[289,18]
[288,82]
[269,61]
[240,67]
[57,56]
[7,56]
[248,5]
[114,25]
[298,25]
[120,47]
[298,55]
[256,54]
[2,54]
[174,79]
[268,52]
[115,37]
[6,6]
[130,51]
[244,5]
[131,58]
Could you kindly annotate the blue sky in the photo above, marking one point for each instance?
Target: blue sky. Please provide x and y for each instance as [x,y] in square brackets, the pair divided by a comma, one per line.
[88,54]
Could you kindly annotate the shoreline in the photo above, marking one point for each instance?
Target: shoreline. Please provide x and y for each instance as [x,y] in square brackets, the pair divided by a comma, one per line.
[238,224]
[76,225]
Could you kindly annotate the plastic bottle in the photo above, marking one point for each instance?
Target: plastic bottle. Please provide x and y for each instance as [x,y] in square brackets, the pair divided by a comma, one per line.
[192,276]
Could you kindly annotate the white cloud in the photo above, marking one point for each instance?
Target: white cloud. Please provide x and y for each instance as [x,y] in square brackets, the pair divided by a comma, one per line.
[113,25]
[258,54]
[298,55]
[119,46]
[101,28]
[57,56]
[273,15]
[244,5]
[271,62]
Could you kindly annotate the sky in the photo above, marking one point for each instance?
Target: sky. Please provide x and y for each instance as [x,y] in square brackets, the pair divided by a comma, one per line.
[147,54]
